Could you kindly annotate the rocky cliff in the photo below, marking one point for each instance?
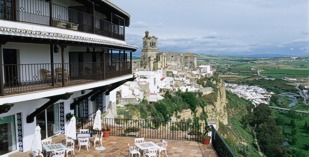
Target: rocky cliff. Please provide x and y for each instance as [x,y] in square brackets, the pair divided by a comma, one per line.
[218,111]
[216,106]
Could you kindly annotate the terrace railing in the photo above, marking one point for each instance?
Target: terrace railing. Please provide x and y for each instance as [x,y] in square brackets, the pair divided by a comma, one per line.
[38,12]
[171,131]
[220,145]
[30,77]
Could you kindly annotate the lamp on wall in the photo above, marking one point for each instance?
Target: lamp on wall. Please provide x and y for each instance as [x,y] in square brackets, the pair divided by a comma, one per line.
[56,49]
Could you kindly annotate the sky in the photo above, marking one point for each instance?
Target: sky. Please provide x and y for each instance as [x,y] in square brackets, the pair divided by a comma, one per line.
[222,27]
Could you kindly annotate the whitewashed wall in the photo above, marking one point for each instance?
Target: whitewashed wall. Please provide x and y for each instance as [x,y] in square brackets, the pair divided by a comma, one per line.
[34,54]
[27,107]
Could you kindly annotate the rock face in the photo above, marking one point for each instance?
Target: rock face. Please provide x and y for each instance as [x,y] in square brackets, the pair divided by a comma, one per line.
[218,111]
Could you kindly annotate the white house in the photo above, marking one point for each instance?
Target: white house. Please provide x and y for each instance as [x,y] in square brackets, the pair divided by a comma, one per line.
[57,57]
[205,70]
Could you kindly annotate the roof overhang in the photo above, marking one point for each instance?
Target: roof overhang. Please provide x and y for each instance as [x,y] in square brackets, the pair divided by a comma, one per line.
[22,31]
[119,11]
[107,7]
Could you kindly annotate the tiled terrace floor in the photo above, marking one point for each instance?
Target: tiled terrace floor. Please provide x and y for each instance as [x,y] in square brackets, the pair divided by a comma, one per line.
[117,146]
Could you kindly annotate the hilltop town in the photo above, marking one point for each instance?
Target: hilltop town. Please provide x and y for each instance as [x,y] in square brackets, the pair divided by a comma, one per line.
[159,72]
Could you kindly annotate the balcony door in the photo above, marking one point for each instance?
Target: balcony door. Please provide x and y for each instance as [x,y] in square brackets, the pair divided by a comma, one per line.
[49,121]
[10,67]
[7,9]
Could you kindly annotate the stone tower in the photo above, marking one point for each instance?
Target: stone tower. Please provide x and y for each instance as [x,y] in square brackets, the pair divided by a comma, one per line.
[149,51]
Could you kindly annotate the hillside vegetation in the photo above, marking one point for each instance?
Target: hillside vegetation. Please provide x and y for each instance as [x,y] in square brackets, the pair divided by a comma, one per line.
[238,137]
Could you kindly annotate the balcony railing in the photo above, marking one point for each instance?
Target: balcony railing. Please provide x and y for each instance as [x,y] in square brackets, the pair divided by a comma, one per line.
[220,145]
[37,11]
[30,77]
[148,129]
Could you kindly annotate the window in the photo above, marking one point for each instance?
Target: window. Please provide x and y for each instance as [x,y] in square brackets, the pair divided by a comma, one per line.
[49,121]
[7,134]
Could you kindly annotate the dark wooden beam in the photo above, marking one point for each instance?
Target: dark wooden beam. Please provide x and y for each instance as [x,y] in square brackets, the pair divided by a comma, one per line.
[131,60]
[102,90]
[51,49]
[62,68]
[50,12]
[1,72]
[5,108]
[52,100]
[80,99]
[104,64]
[93,15]
[94,62]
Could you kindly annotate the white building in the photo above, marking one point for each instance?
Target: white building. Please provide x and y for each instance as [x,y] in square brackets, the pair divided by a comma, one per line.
[205,70]
[57,57]
[153,78]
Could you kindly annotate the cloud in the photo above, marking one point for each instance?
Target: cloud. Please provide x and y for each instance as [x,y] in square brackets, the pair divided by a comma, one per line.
[224,26]
[139,24]
[214,44]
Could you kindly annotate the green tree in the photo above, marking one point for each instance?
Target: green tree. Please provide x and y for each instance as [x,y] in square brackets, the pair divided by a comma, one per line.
[306,126]
[261,114]
[292,123]
[292,114]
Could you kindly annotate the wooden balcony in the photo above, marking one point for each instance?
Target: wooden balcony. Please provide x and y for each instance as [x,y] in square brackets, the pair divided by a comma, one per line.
[19,78]
[81,18]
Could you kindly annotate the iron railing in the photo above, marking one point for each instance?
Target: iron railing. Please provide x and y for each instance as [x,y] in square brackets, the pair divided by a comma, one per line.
[38,12]
[149,129]
[29,77]
[220,145]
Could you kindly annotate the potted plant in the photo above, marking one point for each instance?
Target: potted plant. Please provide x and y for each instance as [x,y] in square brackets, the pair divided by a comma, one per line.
[68,116]
[106,131]
[131,131]
[193,134]
[205,137]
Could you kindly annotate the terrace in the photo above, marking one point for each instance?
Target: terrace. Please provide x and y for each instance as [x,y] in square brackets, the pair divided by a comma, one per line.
[117,144]
[118,147]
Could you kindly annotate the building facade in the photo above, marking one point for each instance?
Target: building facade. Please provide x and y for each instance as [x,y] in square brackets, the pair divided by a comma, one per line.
[152,59]
[58,57]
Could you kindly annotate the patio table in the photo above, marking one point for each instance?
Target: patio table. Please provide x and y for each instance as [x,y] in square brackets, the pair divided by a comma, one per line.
[52,147]
[83,135]
[146,145]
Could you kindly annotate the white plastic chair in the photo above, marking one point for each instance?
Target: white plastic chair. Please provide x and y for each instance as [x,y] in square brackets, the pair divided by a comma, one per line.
[47,141]
[152,152]
[83,142]
[58,153]
[70,147]
[139,140]
[69,141]
[84,131]
[36,153]
[98,139]
[133,150]
[162,147]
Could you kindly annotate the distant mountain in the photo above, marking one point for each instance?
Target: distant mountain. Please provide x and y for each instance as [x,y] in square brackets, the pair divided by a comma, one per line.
[137,53]
[265,55]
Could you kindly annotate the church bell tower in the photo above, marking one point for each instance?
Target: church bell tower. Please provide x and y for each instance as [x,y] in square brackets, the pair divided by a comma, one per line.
[149,51]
